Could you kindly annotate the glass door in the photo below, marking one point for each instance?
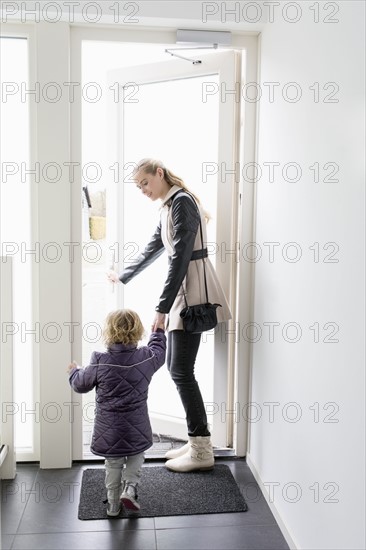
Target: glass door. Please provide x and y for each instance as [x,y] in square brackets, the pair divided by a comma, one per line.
[177,112]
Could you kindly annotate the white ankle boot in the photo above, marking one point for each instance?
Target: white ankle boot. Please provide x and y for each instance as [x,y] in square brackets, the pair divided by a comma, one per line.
[174,453]
[199,456]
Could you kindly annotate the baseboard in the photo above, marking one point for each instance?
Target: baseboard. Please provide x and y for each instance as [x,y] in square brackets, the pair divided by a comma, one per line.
[3,453]
[289,539]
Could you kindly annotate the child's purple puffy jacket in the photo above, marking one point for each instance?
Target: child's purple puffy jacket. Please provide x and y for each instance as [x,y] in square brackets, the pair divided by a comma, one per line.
[121,377]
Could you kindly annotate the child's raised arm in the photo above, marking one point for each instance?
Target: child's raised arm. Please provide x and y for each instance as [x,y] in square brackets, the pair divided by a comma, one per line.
[157,344]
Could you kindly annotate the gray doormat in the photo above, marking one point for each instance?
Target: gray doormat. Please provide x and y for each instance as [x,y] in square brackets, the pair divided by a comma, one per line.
[165,493]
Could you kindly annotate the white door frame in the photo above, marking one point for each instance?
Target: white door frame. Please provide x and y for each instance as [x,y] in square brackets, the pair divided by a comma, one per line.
[242,282]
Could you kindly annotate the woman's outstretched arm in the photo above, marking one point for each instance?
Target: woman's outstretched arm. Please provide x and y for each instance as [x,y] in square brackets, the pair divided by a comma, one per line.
[152,251]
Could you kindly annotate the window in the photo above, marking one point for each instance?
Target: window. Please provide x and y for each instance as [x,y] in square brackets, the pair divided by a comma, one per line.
[15,229]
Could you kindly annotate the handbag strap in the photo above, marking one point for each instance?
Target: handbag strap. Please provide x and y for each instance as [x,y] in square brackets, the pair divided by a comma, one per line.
[204,265]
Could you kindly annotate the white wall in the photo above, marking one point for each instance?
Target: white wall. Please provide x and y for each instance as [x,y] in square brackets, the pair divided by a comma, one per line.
[307,452]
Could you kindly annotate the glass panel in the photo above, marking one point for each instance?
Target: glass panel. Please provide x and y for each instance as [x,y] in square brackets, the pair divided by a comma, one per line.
[170,122]
[15,232]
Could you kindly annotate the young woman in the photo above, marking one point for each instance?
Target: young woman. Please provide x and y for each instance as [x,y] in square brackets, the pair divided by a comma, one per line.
[179,234]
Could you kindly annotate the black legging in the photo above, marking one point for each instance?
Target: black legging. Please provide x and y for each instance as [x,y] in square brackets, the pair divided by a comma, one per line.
[182,353]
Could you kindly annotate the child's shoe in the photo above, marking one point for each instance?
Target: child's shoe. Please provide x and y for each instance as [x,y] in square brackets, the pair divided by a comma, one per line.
[129,496]
[113,509]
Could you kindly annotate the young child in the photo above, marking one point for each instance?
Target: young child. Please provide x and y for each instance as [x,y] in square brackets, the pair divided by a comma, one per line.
[121,376]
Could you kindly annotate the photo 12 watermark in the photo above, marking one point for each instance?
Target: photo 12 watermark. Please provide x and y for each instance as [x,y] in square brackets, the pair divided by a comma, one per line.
[272,92]
[71,12]
[93,252]
[267,171]
[271,12]
[128,92]
[40,492]
[275,412]
[271,332]
[252,412]
[54,92]
[271,171]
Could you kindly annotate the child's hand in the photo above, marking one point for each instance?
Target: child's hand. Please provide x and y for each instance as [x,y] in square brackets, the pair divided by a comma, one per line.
[72,365]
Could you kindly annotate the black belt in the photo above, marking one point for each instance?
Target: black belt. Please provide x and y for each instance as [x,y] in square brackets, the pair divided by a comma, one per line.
[199,254]
[196,254]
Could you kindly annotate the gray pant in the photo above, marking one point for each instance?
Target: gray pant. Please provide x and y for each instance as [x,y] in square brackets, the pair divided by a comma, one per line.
[118,470]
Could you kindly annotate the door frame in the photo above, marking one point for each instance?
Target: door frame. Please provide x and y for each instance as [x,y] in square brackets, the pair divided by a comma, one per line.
[243,281]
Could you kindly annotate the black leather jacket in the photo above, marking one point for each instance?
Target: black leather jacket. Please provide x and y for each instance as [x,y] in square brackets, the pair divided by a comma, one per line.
[185,218]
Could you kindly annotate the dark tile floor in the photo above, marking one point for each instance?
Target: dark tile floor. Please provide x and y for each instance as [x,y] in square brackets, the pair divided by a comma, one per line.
[39,511]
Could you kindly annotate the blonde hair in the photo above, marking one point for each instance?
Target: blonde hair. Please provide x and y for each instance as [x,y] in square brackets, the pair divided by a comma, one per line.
[122,326]
[150,166]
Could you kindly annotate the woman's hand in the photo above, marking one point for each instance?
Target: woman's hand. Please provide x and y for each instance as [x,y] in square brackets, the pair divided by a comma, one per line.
[159,321]
[113,276]
[72,365]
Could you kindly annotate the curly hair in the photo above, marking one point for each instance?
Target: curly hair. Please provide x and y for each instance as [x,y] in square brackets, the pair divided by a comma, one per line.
[122,326]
